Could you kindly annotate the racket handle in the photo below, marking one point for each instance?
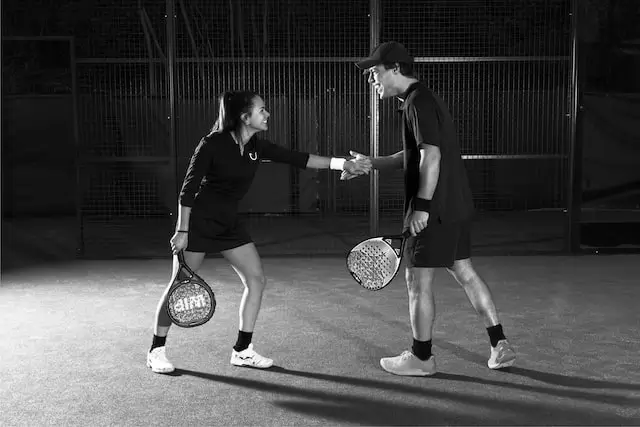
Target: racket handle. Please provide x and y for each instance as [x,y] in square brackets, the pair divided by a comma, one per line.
[183,264]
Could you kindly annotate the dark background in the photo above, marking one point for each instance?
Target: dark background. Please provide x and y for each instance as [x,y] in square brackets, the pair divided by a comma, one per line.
[115,158]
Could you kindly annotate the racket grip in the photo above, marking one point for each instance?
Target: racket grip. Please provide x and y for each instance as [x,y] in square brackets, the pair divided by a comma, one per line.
[184,265]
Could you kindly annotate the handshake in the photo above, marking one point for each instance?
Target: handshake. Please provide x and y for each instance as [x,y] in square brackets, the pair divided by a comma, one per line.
[357,165]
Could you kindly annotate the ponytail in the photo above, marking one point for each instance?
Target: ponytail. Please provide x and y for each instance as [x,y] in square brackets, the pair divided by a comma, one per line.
[232,105]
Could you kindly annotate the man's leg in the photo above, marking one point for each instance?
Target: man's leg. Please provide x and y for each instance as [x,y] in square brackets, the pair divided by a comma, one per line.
[479,294]
[476,289]
[422,309]
[433,248]
[419,361]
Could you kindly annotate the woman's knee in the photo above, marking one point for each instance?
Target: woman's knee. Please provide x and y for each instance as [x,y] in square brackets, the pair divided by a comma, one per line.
[255,282]
[247,264]
[192,259]
[252,277]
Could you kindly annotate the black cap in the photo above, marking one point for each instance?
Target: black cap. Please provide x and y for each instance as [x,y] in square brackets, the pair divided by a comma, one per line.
[386,52]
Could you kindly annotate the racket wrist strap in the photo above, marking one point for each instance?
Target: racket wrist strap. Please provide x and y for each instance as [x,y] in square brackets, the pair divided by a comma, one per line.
[336,164]
[421,204]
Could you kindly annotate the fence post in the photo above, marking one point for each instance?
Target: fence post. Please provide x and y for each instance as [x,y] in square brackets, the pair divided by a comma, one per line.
[374,120]
[574,203]
[170,17]
[76,138]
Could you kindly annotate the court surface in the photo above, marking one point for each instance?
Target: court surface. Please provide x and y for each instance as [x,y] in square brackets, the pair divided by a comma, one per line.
[75,334]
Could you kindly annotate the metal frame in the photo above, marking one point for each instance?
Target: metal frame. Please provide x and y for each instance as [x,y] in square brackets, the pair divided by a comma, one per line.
[458,59]
[374,119]
[574,181]
[420,59]
[218,60]
[170,17]
[76,136]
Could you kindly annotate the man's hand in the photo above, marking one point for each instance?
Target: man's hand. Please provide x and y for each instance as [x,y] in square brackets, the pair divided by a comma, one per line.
[359,165]
[418,222]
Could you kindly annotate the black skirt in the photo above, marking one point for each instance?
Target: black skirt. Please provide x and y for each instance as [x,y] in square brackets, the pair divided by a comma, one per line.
[210,234]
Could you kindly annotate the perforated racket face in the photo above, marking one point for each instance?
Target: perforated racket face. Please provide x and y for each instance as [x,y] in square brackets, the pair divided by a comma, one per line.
[191,303]
[373,263]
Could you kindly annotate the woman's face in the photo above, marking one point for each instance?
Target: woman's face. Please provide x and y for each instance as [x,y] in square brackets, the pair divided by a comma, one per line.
[258,116]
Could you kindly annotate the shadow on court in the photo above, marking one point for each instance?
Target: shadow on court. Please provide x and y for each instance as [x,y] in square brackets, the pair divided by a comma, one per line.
[439,407]
[545,377]
[410,389]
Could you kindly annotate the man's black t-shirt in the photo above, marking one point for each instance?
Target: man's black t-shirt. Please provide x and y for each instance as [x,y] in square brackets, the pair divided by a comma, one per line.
[426,120]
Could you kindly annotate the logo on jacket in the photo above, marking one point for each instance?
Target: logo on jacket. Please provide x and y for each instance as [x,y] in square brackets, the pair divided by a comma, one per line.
[253,156]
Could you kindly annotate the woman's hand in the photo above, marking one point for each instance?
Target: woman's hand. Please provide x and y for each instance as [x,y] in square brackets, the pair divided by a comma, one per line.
[179,241]
[359,165]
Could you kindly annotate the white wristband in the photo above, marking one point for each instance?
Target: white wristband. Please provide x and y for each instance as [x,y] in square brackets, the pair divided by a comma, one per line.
[336,164]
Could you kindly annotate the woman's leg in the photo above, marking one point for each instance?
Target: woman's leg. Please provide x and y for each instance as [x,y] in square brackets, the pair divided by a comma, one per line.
[156,357]
[162,322]
[247,264]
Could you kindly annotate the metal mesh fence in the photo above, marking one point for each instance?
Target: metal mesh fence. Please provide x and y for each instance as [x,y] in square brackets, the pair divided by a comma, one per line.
[511,118]
[479,28]
[503,68]
[299,56]
[148,82]
[242,29]
[126,173]
[37,126]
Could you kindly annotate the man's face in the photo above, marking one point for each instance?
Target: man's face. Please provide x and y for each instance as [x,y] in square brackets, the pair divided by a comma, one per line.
[383,81]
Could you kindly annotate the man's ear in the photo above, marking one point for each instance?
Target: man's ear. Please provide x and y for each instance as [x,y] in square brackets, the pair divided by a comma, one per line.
[396,68]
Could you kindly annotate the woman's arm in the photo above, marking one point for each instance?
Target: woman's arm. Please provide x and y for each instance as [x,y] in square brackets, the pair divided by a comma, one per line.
[198,167]
[299,159]
[184,213]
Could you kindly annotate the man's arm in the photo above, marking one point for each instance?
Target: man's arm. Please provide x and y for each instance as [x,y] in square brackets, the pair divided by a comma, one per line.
[429,170]
[393,161]
[346,166]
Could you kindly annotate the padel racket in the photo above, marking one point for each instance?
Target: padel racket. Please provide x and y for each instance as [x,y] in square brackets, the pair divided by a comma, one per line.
[374,262]
[191,301]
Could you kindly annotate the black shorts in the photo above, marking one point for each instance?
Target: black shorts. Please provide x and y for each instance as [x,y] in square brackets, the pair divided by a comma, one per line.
[439,245]
[209,235]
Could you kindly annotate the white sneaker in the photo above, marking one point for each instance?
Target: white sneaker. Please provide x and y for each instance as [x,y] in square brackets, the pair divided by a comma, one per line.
[248,357]
[158,362]
[502,355]
[409,365]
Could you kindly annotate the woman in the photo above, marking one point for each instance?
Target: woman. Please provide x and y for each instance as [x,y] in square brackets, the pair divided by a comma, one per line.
[221,171]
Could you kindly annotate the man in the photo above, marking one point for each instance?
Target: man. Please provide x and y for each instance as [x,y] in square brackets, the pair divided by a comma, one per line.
[438,209]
